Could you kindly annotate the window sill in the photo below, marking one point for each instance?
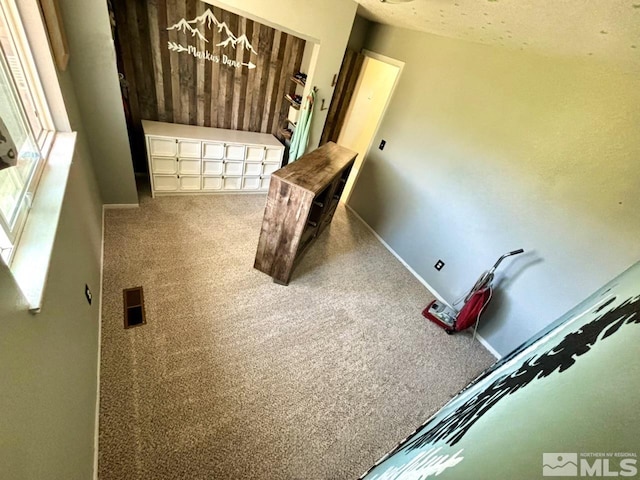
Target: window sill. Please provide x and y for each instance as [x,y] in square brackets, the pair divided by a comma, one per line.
[30,265]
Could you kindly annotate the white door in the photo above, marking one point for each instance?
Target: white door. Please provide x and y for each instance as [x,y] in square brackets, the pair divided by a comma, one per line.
[371,96]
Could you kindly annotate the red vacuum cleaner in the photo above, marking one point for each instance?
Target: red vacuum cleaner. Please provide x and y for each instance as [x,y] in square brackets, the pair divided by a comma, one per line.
[452,320]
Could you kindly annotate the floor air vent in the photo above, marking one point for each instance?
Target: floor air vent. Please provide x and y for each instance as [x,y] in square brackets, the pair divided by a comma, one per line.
[133,307]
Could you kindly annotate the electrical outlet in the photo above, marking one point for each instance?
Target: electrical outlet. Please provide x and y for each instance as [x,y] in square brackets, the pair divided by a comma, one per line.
[439,264]
[87,293]
[382,144]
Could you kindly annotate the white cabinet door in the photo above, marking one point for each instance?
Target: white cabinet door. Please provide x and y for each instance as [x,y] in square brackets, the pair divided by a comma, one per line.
[164,165]
[212,168]
[252,169]
[269,168]
[211,183]
[213,150]
[273,155]
[189,148]
[254,153]
[189,166]
[233,168]
[264,183]
[165,183]
[162,147]
[251,183]
[231,183]
[234,152]
[189,183]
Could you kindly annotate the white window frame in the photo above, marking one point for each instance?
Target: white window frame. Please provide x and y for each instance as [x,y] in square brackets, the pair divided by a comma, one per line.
[10,234]
[33,252]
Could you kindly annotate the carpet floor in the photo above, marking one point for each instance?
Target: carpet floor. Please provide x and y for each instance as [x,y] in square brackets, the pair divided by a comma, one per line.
[235,377]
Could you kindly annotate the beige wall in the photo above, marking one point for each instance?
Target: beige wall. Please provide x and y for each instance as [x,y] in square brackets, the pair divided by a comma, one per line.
[359,33]
[489,150]
[93,71]
[48,361]
[327,23]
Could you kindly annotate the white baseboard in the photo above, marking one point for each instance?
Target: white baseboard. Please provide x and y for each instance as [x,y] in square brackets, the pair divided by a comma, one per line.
[97,420]
[433,291]
[488,346]
[118,206]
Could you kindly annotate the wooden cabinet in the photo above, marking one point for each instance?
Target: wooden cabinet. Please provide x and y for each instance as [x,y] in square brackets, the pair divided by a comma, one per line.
[302,199]
[185,159]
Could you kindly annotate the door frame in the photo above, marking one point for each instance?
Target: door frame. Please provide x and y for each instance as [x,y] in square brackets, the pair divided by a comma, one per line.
[396,63]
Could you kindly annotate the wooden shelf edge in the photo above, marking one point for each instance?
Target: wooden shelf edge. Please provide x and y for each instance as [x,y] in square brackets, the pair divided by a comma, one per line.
[299,82]
[293,104]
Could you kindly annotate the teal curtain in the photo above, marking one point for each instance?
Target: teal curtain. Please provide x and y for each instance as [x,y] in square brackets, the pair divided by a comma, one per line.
[300,137]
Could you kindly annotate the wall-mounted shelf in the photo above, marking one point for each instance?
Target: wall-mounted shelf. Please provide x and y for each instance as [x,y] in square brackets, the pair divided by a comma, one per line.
[298,81]
[299,78]
[295,99]
[293,103]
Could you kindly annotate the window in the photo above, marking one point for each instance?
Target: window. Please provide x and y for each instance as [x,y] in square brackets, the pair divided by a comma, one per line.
[26,130]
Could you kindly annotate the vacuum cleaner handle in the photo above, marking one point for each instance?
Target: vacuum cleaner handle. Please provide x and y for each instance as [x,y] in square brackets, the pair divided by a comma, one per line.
[487,277]
[515,252]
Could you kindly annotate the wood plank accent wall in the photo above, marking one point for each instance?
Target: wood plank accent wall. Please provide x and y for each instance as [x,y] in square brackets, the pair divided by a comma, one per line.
[345,85]
[177,87]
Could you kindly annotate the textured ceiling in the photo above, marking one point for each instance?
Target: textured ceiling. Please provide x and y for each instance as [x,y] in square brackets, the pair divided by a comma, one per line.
[602,28]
